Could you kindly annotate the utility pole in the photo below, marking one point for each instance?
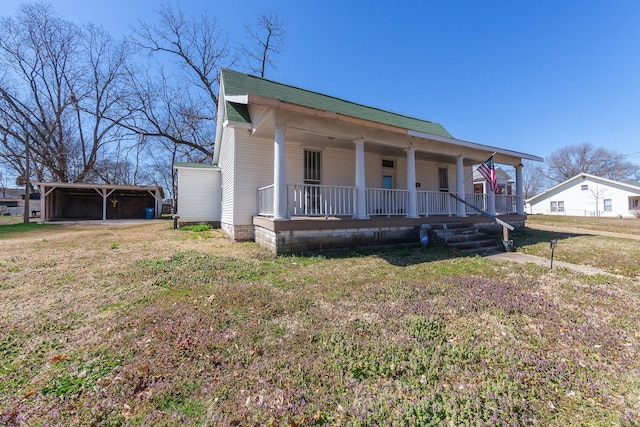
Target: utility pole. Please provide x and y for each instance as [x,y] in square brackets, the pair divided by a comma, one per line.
[27,182]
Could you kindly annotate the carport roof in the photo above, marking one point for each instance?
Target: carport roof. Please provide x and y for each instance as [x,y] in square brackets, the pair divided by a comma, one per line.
[101,186]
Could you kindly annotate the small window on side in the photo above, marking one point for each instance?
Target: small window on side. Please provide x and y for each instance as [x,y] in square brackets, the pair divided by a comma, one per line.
[390,164]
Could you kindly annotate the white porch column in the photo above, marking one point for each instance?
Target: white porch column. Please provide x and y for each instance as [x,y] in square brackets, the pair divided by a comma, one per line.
[519,190]
[460,185]
[412,210]
[361,186]
[279,176]
[491,200]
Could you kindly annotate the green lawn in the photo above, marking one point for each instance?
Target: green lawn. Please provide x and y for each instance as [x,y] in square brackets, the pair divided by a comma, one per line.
[145,325]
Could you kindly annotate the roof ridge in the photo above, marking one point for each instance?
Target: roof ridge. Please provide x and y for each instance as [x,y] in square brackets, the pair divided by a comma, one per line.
[332,97]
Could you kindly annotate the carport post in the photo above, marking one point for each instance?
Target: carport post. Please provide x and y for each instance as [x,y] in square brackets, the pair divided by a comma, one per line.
[103,192]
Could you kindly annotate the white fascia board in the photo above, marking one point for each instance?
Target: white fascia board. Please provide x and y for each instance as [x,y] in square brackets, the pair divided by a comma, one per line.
[222,113]
[469,144]
[237,99]
[239,125]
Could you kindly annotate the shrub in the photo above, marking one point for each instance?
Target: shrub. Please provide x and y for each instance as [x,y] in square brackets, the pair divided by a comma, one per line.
[197,227]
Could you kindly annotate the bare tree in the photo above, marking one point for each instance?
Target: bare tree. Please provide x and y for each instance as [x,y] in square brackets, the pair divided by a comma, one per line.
[533,178]
[180,103]
[165,111]
[4,181]
[60,82]
[266,40]
[570,161]
[199,47]
[598,193]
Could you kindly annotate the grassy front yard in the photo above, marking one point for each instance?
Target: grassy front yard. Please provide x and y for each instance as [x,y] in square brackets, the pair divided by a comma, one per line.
[144,325]
[614,254]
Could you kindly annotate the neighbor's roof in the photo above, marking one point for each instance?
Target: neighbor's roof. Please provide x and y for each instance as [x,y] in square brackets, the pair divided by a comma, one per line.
[236,83]
[604,181]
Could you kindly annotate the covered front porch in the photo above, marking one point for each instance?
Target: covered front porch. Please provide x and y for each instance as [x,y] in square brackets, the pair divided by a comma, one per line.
[331,192]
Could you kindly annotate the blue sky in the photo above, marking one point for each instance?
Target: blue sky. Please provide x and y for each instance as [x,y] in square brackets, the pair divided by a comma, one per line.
[528,75]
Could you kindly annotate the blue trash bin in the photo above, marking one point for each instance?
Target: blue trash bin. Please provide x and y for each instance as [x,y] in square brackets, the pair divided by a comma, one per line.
[149,213]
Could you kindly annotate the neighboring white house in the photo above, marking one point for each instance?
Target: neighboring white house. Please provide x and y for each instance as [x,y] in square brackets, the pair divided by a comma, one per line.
[587,195]
[301,171]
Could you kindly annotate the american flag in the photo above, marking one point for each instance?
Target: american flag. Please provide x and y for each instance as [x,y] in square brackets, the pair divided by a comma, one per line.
[488,171]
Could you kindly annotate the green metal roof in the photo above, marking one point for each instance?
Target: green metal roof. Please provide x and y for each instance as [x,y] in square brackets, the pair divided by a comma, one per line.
[236,83]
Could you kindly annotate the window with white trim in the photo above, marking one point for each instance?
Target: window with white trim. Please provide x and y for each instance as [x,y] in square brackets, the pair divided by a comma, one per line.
[557,206]
[312,176]
[389,164]
[608,206]
[312,167]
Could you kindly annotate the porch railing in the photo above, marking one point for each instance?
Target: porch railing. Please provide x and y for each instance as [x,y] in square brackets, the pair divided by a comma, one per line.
[506,204]
[266,200]
[321,200]
[325,200]
[478,200]
[382,201]
[435,203]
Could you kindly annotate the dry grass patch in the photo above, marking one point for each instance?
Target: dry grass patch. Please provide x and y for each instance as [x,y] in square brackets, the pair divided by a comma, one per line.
[144,325]
[607,224]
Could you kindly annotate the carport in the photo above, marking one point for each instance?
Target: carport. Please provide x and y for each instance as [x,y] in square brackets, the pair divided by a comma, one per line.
[74,201]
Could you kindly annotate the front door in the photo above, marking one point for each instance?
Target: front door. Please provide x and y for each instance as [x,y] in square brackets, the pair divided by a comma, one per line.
[387,182]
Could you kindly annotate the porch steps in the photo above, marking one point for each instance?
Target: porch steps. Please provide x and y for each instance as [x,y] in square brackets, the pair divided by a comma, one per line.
[464,237]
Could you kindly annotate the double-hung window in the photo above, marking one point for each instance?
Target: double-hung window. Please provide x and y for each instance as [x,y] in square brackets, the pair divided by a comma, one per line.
[443,179]
[312,178]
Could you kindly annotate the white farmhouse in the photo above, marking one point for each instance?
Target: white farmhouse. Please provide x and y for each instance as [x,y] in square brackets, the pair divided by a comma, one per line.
[587,195]
[301,171]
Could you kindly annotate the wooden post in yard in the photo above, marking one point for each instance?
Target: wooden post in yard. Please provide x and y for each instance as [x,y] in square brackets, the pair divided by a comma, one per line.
[27,182]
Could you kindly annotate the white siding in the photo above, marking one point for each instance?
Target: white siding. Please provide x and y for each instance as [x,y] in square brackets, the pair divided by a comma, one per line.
[254,168]
[199,194]
[338,167]
[427,176]
[372,169]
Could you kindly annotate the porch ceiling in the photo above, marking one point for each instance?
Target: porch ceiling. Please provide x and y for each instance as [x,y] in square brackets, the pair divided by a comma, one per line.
[425,150]
[332,132]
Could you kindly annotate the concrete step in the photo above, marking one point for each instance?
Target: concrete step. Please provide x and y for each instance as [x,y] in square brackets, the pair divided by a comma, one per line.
[454,238]
[473,244]
[485,250]
[464,237]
